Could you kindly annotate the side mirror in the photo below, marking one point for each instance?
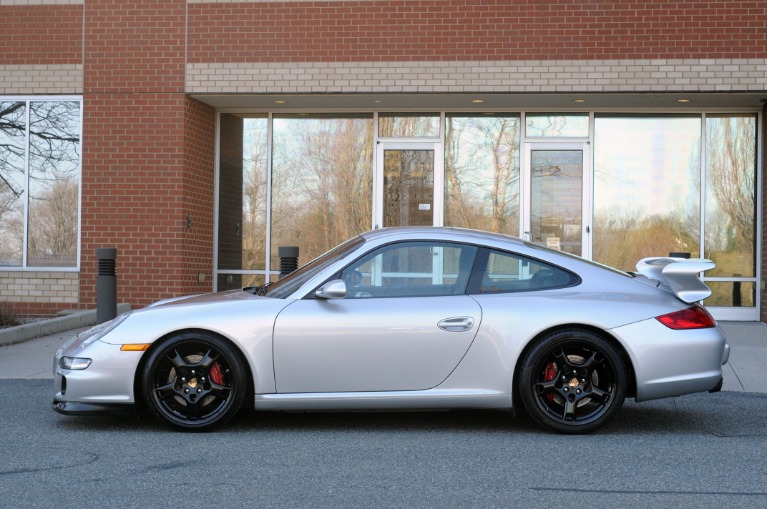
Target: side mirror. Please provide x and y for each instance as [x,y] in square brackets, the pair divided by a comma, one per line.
[335,289]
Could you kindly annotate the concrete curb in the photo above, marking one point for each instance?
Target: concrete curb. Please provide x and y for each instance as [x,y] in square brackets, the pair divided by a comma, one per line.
[21,333]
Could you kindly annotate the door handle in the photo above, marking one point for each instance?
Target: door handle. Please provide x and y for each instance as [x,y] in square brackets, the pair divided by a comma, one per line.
[456,324]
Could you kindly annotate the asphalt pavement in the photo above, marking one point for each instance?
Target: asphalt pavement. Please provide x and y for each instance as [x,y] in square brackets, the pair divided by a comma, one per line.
[745,372]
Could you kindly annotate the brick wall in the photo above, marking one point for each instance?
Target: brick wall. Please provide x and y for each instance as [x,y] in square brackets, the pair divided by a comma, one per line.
[41,34]
[456,30]
[41,49]
[39,293]
[148,149]
[199,186]
[134,147]
[495,77]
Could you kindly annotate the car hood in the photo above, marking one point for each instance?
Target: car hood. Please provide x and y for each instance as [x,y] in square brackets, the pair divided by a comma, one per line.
[229,295]
[234,314]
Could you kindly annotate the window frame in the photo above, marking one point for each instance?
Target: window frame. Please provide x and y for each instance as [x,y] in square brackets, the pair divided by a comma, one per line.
[483,258]
[369,255]
[24,266]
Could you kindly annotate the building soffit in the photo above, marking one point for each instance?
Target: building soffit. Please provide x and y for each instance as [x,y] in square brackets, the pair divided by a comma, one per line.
[489,101]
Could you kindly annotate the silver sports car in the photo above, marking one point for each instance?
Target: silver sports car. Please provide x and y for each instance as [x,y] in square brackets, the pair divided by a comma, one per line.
[410,318]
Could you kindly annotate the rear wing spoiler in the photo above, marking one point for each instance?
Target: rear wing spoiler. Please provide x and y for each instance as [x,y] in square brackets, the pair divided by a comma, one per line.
[680,274]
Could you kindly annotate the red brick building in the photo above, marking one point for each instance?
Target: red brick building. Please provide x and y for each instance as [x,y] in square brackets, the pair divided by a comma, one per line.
[199,135]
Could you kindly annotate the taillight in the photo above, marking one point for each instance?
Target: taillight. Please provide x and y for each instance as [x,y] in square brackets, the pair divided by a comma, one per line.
[695,317]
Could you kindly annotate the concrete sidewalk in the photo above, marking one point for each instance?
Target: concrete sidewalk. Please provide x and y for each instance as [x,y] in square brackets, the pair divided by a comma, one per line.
[746,371]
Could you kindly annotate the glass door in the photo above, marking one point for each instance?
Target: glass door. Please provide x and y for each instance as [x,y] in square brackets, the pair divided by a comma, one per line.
[408,184]
[556,213]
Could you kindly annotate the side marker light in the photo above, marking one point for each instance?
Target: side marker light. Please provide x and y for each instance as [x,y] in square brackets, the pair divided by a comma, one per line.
[135,348]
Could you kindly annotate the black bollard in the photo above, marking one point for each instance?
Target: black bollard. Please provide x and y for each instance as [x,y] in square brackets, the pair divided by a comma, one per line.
[106,285]
[288,259]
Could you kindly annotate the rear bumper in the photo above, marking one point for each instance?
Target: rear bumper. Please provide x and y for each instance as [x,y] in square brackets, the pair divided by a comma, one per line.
[673,362]
[718,386]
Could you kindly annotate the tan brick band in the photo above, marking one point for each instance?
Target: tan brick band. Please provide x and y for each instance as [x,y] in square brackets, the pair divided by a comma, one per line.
[41,79]
[40,287]
[506,76]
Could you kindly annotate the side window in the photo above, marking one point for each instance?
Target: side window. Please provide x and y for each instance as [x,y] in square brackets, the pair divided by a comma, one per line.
[411,269]
[509,272]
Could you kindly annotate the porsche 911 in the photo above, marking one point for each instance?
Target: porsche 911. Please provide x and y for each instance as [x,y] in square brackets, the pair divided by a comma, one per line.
[410,319]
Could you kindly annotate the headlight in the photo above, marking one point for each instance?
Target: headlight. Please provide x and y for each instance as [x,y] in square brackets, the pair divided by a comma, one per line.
[74,363]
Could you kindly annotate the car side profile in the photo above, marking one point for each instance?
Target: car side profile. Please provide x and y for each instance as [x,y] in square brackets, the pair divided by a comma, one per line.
[410,318]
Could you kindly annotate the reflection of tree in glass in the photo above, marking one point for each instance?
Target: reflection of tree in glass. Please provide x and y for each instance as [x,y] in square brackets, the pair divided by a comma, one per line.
[53,227]
[255,172]
[730,186]
[482,173]
[50,142]
[12,148]
[321,182]
[408,126]
[627,235]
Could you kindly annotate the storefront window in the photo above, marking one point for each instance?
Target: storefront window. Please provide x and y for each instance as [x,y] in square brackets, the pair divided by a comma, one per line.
[313,187]
[575,125]
[403,125]
[730,226]
[646,188]
[322,177]
[243,191]
[482,172]
[13,150]
[39,183]
[732,294]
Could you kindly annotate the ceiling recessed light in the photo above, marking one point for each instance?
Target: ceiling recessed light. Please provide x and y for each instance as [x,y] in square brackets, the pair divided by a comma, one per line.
[579,100]
[377,101]
[478,101]
[682,100]
[280,101]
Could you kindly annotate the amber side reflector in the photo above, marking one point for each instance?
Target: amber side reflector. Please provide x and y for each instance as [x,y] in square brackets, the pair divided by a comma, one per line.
[134,348]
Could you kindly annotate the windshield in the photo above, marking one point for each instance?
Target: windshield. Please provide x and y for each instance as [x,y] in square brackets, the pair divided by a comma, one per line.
[290,283]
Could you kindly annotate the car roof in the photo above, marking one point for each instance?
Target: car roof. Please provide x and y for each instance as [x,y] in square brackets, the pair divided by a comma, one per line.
[440,232]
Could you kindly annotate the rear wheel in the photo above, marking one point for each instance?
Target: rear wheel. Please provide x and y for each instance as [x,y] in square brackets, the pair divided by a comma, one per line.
[194,382]
[573,381]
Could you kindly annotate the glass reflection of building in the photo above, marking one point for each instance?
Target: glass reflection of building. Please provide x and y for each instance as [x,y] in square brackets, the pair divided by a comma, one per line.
[653,184]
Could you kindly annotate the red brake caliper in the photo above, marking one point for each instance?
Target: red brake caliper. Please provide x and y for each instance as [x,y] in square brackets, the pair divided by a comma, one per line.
[550,373]
[215,374]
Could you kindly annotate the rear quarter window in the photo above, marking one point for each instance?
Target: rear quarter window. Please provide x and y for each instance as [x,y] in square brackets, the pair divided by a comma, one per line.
[510,272]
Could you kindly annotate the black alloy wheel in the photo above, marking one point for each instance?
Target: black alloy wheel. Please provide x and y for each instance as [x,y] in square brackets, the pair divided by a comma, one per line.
[194,381]
[573,381]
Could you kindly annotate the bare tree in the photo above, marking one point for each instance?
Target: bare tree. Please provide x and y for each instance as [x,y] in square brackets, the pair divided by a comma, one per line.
[52,237]
[731,158]
[322,181]
[40,159]
[482,172]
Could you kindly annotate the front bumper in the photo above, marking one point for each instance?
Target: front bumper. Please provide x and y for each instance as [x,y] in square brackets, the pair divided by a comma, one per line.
[69,408]
[105,387]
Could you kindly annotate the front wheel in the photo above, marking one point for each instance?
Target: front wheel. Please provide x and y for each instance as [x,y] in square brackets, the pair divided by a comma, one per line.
[572,381]
[194,382]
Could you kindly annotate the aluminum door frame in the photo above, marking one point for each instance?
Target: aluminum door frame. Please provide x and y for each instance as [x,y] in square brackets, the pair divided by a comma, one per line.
[439,176]
[586,189]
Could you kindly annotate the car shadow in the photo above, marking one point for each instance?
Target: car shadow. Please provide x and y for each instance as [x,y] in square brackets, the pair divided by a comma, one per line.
[721,415]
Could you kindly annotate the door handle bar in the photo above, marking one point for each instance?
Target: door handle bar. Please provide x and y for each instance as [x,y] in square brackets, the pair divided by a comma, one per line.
[456,324]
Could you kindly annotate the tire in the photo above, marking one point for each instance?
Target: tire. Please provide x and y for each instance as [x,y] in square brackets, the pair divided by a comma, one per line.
[194,381]
[572,381]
